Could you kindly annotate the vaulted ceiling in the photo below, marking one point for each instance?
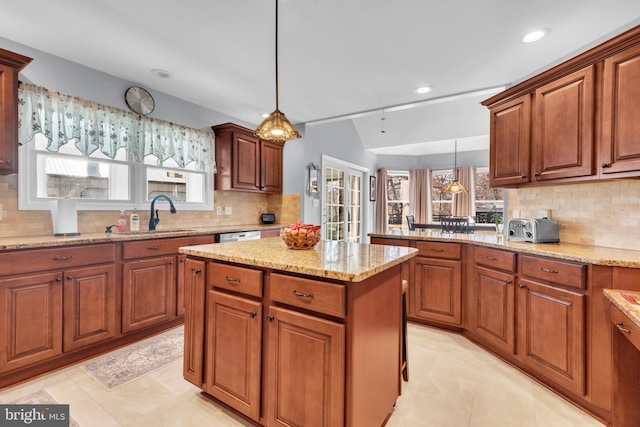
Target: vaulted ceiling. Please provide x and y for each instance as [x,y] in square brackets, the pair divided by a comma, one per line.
[356,60]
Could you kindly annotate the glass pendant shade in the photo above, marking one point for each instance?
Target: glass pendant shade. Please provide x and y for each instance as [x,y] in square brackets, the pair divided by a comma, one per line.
[455,186]
[276,127]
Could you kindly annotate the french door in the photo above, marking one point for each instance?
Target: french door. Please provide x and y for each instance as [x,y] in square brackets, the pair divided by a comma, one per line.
[342,208]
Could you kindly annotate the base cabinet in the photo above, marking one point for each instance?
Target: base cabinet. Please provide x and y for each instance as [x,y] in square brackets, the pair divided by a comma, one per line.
[306,357]
[438,290]
[234,351]
[31,323]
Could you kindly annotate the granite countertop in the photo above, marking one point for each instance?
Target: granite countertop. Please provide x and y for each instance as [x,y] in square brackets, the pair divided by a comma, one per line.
[352,262]
[32,242]
[627,301]
[567,251]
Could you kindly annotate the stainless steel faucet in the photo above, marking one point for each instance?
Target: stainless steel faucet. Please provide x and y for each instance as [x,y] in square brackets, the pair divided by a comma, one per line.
[153,221]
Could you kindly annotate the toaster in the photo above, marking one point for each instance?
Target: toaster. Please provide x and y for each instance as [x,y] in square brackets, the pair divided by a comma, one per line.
[538,230]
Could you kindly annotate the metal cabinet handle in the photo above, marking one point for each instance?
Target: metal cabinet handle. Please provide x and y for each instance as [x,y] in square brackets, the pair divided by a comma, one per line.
[183,260]
[521,286]
[6,161]
[621,328]
[298,294]
[231,279]
[69,277]
[58,279]
[270,318]
[606,165]
[546,270]
[437,250]
[490,258]
[508,282]
[253,314]
[62,258]
[196,271]
[153,248]
[524,176]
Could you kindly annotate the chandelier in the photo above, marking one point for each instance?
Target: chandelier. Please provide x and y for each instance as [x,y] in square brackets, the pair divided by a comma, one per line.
[276,127]
[455,186]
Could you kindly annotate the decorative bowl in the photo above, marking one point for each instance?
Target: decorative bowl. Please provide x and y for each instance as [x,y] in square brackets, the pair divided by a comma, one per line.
[301,236]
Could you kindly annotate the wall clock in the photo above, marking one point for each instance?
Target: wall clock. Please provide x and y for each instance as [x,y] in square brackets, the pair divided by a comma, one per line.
[139,100]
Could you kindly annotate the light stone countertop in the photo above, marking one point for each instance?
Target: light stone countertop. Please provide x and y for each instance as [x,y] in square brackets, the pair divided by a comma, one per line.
[570,252]
[32,242]
[350,262]
[627,301]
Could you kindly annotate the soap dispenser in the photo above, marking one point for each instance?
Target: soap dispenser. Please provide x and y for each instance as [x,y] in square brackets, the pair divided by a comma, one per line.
[135,222]
[122,222]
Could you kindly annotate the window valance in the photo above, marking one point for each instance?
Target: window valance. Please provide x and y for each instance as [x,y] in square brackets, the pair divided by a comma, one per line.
[92,126]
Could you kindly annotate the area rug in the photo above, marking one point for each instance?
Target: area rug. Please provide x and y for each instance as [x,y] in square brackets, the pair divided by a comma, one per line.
[122,366]
[41,397]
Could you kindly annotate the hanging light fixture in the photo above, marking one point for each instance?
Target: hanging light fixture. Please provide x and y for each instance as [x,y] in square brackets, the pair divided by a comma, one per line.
[455,186]
[276,127]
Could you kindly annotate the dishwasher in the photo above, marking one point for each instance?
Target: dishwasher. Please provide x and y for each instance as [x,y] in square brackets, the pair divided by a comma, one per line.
[238,237]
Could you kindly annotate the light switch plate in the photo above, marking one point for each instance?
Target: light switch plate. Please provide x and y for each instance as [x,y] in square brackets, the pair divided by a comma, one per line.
[219,210]
[228,210]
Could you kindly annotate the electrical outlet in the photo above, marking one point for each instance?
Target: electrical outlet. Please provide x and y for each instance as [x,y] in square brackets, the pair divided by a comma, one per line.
[228,210]
[219,210]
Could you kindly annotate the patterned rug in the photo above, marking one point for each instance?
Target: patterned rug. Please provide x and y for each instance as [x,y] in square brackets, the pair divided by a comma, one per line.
[122,366]
[41,397]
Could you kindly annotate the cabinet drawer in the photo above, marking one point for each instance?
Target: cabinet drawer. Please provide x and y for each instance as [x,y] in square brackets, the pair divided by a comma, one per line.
[439,250]
[495,258]
[323,297]
[391,242]
[238,279]
[32,260]
[561,272]
[155,247]
[627,328]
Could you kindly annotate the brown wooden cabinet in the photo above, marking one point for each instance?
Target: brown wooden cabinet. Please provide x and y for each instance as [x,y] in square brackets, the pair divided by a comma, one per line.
[620,149]
[148,292]
[306,358]
[194,296]
[89,306]
[626,369]
[10,64]
[437,283]
[510,142]
[563,131]
[245,162]
[31,322]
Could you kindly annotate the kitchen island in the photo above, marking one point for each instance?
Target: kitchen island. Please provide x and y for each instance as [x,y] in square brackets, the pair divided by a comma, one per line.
[296,337]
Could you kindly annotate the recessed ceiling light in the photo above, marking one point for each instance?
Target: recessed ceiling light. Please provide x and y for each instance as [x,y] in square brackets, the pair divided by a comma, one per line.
[535,35]
[423,89]
[163,74]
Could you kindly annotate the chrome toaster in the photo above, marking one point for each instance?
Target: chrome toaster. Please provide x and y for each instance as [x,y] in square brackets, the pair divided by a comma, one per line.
[538,230]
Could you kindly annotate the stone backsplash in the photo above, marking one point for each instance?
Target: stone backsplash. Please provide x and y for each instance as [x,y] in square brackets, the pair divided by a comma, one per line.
[246,210]
[600,214]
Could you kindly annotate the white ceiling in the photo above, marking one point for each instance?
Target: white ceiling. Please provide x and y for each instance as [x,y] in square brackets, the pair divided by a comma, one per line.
[338,59]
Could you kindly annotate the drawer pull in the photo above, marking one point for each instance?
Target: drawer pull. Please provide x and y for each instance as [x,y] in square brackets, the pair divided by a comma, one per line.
[231,279]
[508,282]
[546,270]
[196,271]
[62,258]
[621,328]
[490,258]
[69,277]
[270,318]
[521,286]
[183,260]
[154,248]
[298,294]
[437,250]
[253,314]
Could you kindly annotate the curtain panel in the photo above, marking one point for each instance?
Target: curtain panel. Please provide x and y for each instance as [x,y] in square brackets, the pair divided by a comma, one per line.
[464,203]
[381,202]
[420,195]
[62,118]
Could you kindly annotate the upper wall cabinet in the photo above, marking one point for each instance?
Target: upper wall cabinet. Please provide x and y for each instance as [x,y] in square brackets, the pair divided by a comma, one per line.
[10,64]
[245,162]
[583,123]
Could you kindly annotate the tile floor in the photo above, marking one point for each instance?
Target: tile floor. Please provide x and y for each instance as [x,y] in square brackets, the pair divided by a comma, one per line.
[453,383]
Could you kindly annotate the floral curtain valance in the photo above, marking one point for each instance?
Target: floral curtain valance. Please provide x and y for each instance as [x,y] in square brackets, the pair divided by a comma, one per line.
[62,118]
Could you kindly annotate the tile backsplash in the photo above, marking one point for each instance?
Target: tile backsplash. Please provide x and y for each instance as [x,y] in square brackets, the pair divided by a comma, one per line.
[601,214]
[246,210]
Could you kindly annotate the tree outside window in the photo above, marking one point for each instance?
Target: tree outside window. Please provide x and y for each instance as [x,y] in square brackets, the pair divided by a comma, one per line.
[397,200]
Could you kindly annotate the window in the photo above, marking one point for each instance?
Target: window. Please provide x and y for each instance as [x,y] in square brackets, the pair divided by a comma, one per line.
[489,201]
[397,200]
[441,202]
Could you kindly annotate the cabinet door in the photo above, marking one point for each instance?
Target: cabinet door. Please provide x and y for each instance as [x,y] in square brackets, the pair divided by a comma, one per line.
[563,143]
[552,333]
[31,319]
[271,167]
[148,292]
[246,162]
[494,308]
[234,343]
[89,306]
[307,374]
[510,142]
[194,296]
[621,114]
[8,120]
[438,290]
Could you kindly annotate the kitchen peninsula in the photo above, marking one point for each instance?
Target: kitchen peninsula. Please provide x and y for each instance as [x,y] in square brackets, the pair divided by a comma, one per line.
[297,337]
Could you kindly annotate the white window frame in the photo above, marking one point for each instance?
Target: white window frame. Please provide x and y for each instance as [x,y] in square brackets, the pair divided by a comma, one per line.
[27,186]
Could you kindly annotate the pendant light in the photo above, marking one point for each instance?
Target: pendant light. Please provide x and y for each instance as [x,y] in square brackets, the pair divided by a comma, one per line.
[455,186]
[276,127]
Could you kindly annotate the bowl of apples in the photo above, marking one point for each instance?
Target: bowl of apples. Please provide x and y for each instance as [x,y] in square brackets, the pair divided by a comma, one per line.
[301,235]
